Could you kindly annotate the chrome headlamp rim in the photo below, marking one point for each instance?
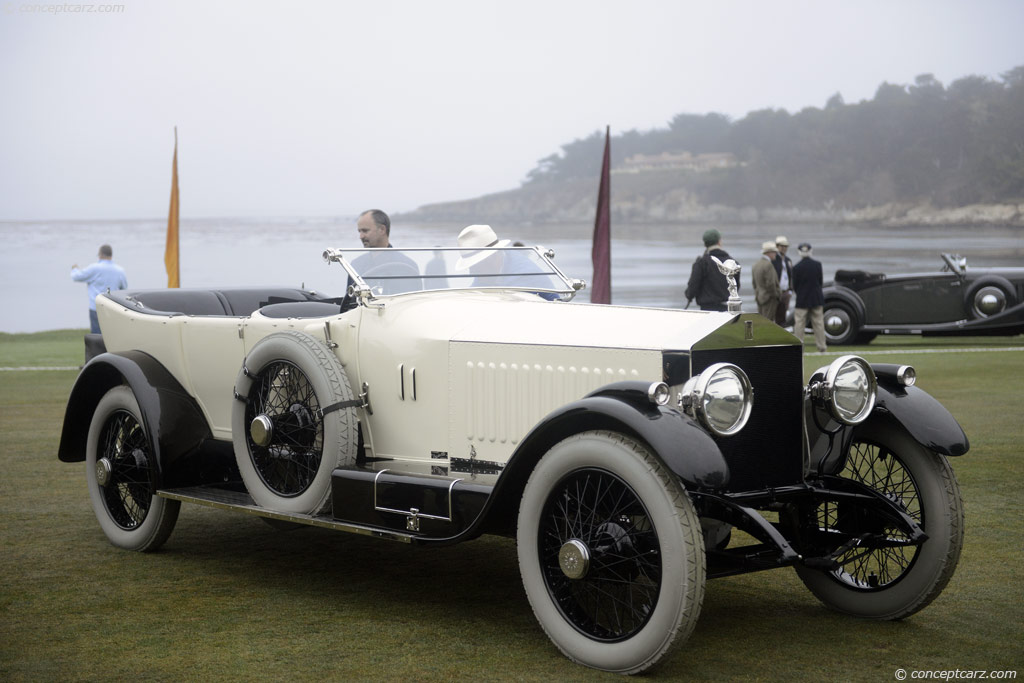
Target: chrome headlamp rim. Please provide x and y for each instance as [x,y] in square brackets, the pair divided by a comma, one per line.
[658,393]
[691,399]
[823,390]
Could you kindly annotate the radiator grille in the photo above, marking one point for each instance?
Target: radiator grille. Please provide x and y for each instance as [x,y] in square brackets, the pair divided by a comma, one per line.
[767,452]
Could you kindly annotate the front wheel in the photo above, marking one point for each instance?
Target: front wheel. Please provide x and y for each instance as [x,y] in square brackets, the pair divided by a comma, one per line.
[894,581]
[119,467]
[611,553]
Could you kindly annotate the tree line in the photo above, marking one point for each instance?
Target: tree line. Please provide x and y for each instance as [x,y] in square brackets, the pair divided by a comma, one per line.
[951,146]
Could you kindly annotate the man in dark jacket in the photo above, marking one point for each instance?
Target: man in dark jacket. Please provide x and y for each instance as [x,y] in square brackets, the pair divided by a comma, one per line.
[707,284]
[810,301]
[784,269]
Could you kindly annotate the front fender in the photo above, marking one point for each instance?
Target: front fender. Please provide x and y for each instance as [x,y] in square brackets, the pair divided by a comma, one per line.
[682,445]
[174,423]
[924,418]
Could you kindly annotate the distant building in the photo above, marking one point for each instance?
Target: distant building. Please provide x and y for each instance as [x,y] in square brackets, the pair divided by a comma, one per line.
[683,161]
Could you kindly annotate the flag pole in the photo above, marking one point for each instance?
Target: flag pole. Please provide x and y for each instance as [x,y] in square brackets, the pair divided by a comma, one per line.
[601,251]
[171,251]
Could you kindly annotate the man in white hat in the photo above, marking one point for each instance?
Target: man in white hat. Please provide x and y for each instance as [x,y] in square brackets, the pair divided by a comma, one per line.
[766,281]
[784,269]
[475,239]
[480,257]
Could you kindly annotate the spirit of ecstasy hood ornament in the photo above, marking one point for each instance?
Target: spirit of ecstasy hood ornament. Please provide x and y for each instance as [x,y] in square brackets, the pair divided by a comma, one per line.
[731,270]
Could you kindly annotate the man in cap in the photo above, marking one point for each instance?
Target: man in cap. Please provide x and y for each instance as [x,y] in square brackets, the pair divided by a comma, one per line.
[766,281]
[784,269]
[101,276]
[707,284]
[807,281]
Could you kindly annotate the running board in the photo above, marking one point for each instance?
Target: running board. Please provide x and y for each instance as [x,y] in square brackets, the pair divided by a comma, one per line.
[223,499]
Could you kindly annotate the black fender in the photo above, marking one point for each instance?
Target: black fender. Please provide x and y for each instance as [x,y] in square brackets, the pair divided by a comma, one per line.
[623,407]
[925,419]
[911,409]
[172,419]
[847,296]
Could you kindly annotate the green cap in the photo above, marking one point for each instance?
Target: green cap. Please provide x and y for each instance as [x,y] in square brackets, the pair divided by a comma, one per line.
[711,237]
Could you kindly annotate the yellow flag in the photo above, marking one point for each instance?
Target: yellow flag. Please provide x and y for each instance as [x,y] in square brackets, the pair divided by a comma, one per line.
[171,253]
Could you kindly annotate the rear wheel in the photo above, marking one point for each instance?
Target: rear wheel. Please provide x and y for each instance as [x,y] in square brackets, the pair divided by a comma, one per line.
[841,323]
[894,581]
[119,468]
[611,553]
[987,300]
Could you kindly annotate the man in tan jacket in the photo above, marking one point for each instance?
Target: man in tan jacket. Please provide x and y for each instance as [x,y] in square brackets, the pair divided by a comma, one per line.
[766,282]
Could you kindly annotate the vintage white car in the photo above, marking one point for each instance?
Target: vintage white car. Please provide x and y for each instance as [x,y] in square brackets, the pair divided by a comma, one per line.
[452,393]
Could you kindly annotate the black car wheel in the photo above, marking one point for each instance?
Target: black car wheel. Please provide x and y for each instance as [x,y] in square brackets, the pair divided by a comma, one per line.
[894,581]
[988,300]
[841,323]
[119,468]
[611,553]
[287,439]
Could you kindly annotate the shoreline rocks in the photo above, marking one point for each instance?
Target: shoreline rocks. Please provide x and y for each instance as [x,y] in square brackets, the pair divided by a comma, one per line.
[574,202]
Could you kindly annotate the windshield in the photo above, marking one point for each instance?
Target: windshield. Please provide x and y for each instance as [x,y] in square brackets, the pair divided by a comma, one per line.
[398,271]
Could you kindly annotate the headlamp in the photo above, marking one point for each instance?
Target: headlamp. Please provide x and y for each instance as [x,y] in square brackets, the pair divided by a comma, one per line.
[721,397]
[846,388]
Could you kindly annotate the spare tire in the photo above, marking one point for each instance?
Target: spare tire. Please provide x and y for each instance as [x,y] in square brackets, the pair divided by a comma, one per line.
[294,422]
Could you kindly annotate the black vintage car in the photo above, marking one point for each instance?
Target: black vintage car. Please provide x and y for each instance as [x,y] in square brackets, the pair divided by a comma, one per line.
[956,300]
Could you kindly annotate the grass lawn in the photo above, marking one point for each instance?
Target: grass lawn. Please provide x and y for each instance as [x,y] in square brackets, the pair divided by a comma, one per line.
[231,598]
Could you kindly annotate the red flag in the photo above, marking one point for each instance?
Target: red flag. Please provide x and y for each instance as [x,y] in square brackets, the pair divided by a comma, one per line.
[171,251]
[601,252]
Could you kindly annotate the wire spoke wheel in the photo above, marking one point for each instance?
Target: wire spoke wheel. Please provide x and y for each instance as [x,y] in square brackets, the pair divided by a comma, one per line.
[121,469]
[619,592]
[611,552]
[881,573]
[289,463]
[876,567]
[294,423]
[127,494]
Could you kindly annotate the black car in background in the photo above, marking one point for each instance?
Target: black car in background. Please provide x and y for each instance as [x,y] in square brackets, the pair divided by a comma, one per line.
[955,300]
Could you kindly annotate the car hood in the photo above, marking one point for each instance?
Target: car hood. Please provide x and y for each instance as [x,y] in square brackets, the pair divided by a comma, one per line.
[517,318]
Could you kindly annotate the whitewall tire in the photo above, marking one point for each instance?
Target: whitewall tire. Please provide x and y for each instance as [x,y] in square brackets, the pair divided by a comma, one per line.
[288,385]
[119,467]
[611,552]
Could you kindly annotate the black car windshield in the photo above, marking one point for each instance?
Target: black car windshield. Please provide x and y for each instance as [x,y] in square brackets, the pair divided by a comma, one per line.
[398,271]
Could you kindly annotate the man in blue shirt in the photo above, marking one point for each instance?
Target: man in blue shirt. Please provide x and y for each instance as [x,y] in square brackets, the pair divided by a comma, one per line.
[101,276]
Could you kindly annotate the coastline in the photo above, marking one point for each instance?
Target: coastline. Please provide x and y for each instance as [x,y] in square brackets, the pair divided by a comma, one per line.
[574,202]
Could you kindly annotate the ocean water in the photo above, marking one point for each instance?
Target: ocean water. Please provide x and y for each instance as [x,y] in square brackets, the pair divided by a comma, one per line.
[650,263]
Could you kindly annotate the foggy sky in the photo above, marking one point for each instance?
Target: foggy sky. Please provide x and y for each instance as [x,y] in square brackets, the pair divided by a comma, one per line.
[319,109]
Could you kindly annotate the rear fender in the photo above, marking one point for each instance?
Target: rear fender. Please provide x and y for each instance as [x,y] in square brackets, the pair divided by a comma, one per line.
[174,423]
[846,296]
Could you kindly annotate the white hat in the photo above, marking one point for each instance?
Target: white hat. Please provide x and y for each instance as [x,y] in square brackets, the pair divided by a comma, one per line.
[768,246]
[477,237]
[782,241]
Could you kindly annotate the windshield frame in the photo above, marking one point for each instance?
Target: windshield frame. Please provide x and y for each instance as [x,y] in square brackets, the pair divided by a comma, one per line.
[361,290]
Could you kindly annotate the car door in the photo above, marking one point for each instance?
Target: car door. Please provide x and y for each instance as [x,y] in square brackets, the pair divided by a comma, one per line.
[916,301]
